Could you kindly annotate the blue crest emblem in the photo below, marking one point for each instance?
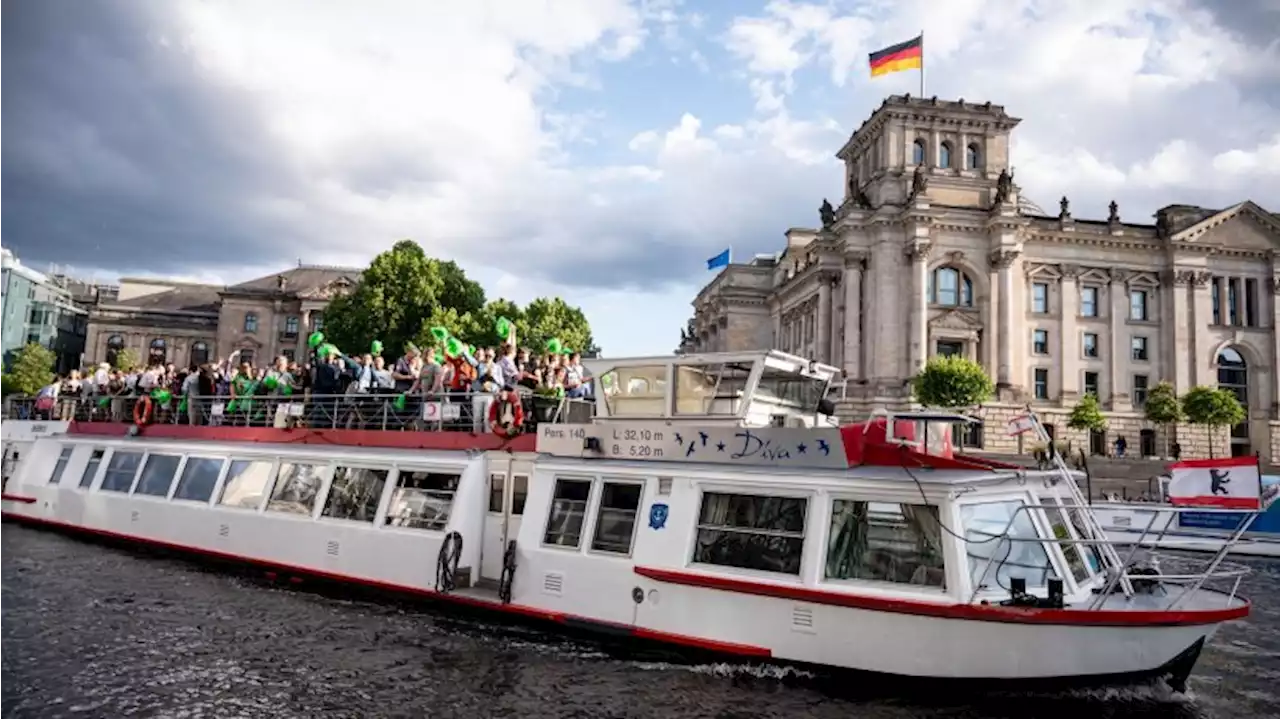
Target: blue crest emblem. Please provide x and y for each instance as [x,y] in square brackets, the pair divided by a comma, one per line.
[658,516]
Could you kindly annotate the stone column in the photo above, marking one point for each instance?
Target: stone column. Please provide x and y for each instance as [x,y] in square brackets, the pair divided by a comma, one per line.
[1003,261]
[777,328]
[1069,359]
[1274,284]
[918,349]
[823,330]
[1201,317]
[991,322]
[1183,356]
[853,266]
[1120,349]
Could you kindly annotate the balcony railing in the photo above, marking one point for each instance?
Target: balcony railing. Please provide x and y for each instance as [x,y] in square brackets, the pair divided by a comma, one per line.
[451,412]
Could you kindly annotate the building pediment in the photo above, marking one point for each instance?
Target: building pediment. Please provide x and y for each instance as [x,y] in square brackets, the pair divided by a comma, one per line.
[960,320]
[1245,226]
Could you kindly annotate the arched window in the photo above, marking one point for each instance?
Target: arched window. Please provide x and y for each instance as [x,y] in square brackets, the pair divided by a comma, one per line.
[972,157]
[199,353]
[950,287]
[157,352]
[944,155]
[1233,375]
[917,152]
[115,343]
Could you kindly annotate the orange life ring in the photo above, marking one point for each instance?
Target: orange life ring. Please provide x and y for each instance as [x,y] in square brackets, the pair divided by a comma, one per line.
[142,411]
[506,399]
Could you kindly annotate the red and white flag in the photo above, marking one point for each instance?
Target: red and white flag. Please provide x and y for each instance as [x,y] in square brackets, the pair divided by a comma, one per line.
[1231,483]
[1021,423]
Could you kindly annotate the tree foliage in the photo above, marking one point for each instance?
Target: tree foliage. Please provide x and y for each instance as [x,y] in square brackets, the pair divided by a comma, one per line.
[1087,415]
[1212,407]
[404,293]
[1164,408]
[952,382]
[127,360]
[32,369]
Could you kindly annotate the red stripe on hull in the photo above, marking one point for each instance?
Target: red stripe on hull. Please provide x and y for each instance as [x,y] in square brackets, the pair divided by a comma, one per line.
[443,441]
[1217,502]
[1223,462]
[972,612]
[18,498]
[744,650]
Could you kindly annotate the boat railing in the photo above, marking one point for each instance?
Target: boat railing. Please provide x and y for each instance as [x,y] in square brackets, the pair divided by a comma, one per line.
[452,411]
[1193,573]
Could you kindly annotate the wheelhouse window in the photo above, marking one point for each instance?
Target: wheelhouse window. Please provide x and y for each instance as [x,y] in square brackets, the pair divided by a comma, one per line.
[751,532]
[1040,298]
[995,555]
[884,542]
[121,470]
[1138,305]
[616,517]
[635,391]
[247,481]
[199,476]
[568,511]
[296,489]
[157,475]
[64,456]
[712,388]
[788,389]
[1088,301]
[91,468]
[355,493]
[951,288]
[422,499]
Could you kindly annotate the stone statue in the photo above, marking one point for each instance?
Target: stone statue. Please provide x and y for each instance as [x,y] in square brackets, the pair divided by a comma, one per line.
[861,200]
[1114,217]
[1004,187]
[827,213]
[919,183]
[1064,208]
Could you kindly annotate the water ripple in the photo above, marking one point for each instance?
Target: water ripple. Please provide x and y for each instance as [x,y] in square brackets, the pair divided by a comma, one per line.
[99,632]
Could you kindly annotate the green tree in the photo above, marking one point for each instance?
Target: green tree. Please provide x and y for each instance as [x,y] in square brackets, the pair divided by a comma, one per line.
[487,325]
[952,383]
[1087,415]
[32,369]
[1164,409]
[127,359]
[1212,407]
[547,318]
[397,296]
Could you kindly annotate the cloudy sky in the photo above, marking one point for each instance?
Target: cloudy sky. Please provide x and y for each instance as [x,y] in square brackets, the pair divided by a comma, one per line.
[596,149]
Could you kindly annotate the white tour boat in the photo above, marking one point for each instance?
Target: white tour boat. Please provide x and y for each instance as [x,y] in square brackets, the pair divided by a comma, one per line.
[711,504]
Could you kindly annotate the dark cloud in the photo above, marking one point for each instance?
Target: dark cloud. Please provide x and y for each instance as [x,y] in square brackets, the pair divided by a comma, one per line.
[1255,21]
[119,152]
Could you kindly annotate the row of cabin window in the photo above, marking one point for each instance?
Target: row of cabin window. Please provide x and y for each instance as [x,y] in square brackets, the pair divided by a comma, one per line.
[616,508]
[868,541]
[422,499]
[1090,346]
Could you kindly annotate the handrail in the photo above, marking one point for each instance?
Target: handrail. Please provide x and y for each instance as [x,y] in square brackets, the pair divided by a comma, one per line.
[445,411]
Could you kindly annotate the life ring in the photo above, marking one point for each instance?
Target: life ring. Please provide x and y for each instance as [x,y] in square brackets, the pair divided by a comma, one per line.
[142,411]
[508,407]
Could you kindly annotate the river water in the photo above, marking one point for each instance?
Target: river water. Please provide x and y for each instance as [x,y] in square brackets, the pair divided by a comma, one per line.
[91,631]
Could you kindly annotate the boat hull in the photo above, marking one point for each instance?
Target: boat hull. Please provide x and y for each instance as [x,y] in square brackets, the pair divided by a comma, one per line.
[898,647]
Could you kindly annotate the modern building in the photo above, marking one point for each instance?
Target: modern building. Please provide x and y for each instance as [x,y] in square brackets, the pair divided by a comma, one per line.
[184,323]
[40,309]
[933,250]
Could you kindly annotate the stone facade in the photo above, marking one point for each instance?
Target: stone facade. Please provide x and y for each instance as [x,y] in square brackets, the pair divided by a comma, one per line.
[186,323]
[934,251]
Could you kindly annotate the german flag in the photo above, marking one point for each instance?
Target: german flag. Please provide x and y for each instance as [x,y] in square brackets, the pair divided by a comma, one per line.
[907,55]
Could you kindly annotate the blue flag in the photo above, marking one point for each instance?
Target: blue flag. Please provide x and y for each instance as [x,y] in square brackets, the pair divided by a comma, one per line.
[720,260]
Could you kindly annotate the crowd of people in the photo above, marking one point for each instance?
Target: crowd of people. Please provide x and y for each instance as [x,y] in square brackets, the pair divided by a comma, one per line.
[350,391]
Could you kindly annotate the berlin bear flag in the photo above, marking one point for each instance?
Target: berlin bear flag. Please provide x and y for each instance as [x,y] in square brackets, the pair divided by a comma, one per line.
[1229,483]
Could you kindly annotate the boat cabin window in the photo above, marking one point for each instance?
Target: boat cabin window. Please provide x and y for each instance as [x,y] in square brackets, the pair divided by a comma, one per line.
[639,391]
[519,493]
[296,489]
[64,456]
[751,532]
[711,388]
[121,469]
[355,493]
[497,491]
[568,510]
[885,542]
[615,527]
[1001,544]
[788,389]
[422,499]
[91,469]
[1082,559]
[157,475]
[247,481]
[199,476]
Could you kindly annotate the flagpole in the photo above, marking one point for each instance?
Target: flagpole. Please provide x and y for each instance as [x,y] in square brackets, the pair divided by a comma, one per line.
[922,64]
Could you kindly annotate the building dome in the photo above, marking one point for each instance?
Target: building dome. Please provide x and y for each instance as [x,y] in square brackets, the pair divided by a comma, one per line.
[1029,207]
